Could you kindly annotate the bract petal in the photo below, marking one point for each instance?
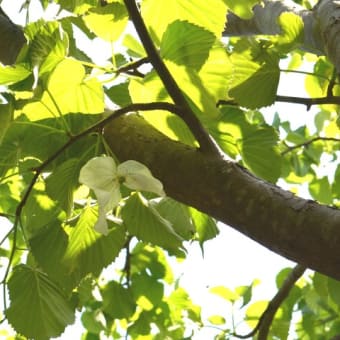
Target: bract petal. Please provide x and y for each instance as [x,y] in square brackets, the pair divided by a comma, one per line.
[138,177]
[101,224]
[98,173]
[108,199]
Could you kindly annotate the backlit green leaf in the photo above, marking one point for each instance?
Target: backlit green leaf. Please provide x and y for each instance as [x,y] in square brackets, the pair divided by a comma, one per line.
[72,91]
[320,190]
[186,44]
[83,251]
[107,22]
[259,153]
[178,214]
[118,301]
[13,74]
[143,221]
[38,307]
[208,14]
[254,85]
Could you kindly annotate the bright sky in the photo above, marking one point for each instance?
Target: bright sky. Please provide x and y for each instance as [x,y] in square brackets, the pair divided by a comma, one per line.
[231,259]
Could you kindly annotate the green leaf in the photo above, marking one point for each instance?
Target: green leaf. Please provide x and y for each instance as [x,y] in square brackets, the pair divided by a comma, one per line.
[320,283]
[49,45]
[208,14]
[93,321]
[186,44]
[321,191]
[254,312]
[6,116]
[118,301]
[119,94]
[242,8]
[217,320]
[62,182]
[151,89]
[147,290]
[334,291]
[13,74]
[254,85]
[77,6]
[38,308]
[83,251]
[177,214]
[205,226]
[72,90]
[292,31]
[107,22]
[225,293]
[39,212]
[89,251]
[259,153]
[143,221]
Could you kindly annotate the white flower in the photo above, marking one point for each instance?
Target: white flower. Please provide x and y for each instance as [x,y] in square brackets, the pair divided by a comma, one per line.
[103,176]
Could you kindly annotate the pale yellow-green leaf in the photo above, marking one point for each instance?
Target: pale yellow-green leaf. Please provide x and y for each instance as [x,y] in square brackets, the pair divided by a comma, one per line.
[107,22]
[225,293]
[13,74]
[254,312]
[208,14]
[292,31]
[217,320]
[74,91]
[242,8]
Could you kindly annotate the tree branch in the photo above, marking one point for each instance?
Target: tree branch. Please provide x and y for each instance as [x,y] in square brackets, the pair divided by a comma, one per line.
[295,100]
[266,319]
[207,145]
[315,139]
[298,229]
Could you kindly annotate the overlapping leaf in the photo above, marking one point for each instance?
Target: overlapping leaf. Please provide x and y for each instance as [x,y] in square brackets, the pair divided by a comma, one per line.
[38,309]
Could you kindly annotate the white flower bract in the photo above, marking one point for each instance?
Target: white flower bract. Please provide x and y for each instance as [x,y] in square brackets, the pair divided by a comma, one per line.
[103,176]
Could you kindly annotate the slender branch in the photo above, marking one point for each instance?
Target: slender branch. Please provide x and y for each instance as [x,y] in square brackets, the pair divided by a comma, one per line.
[266,319]
[295,100]
[207,145]
[132,68]
[332,83]
[309,101]
[315,139]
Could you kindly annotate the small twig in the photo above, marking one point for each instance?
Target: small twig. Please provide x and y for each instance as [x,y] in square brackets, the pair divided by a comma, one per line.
[127,265]
[132,68]
[331,84]
[206,143]
[303,145]
[266,319]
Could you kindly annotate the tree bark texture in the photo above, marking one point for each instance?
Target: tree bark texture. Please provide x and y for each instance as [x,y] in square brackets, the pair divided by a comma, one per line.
[298,229]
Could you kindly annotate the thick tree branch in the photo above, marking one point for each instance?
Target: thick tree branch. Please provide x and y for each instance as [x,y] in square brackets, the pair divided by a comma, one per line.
[301,230]
[207,145]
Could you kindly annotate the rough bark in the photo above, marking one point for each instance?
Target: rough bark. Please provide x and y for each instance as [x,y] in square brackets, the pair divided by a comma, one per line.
[299,229]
